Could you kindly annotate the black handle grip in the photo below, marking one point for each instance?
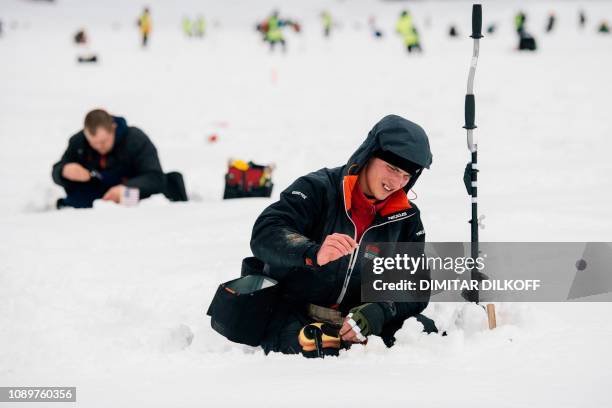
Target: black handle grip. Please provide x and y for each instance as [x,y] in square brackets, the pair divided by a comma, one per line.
[476,21]
[470,112]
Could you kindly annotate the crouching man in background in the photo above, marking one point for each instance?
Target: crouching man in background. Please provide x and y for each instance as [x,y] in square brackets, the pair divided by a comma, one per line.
[314,241]
[109,160]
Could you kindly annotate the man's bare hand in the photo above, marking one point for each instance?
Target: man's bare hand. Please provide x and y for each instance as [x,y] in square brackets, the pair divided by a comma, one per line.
[75,172]
[348,333]
[334,247]
[114,194]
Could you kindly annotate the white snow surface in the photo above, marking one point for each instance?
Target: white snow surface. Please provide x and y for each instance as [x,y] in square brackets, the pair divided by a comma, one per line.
[112,300]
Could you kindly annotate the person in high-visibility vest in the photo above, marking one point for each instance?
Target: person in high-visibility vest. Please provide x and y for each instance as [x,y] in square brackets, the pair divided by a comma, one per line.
[144,23]
[519,22]
[200,26]
[327,23]
[408,31]
[187,27]
[274,34]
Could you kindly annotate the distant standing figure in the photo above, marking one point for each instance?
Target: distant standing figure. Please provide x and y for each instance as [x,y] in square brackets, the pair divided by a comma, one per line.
[200,27]
[452,32]
[550,25]
[187,27]
[406,29]
[327,23]
[582,19]
[274,33]
[144,23]
[604,27]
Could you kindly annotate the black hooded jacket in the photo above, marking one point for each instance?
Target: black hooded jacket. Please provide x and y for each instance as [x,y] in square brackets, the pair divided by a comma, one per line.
[313,207]
[133,161]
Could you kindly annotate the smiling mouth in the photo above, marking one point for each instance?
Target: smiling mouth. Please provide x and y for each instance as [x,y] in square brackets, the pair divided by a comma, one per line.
[387,188]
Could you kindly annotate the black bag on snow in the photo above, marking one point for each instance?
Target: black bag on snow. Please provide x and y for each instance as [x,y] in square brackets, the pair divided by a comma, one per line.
[247,180]
[175,187]
[241,308]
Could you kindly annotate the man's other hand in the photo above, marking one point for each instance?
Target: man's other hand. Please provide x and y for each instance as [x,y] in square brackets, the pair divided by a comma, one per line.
[351,333]
[334,247]
[75,172]
[114,194]
[362,321]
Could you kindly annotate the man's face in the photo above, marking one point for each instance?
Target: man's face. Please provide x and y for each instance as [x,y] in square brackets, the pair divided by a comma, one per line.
[383,179]
[102,139]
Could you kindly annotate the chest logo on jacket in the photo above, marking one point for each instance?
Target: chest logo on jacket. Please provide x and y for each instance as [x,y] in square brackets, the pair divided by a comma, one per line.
[396,216]
[372,252]
[304,196]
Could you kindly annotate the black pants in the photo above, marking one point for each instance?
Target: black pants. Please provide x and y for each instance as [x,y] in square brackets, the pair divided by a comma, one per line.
[283,330]
[82,195]
[415,47]
[281,42]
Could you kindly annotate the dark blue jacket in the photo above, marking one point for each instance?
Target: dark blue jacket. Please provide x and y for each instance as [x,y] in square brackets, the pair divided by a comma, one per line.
[133,161]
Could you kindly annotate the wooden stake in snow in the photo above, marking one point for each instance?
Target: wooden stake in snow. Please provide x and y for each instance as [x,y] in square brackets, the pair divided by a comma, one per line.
[491,316]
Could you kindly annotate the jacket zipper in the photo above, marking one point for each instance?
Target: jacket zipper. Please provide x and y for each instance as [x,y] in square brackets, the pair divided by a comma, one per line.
[355,253]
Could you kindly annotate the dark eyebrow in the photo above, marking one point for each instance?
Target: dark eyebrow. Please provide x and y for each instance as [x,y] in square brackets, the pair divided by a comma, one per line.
[399,170]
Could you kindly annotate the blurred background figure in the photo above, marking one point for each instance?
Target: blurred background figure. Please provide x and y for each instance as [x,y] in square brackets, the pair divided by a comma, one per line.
[452,31]
[272,31]
[550,23]
[194,28]
[187,26]
[200,27]
[491,28]
[581,19]
[145,26]
[519,21]
[604,27]
[80,37]
[104,159]
[374,29]
[327,21]
[406,29]
[81,40]
[526,41]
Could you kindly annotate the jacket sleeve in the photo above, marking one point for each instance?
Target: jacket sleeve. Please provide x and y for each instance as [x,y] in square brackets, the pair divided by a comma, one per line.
[280,234]
[69,156]
[149,177]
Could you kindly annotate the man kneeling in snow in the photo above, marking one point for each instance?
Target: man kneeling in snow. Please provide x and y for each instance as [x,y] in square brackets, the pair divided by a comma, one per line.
[104,159]
[314,239]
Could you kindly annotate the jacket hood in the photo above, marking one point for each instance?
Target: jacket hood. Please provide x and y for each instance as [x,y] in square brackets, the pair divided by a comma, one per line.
[398,136]
[122,127]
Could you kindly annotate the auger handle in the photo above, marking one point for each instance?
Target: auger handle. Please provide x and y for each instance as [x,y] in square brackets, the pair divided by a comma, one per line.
[476,21]
[470,112]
